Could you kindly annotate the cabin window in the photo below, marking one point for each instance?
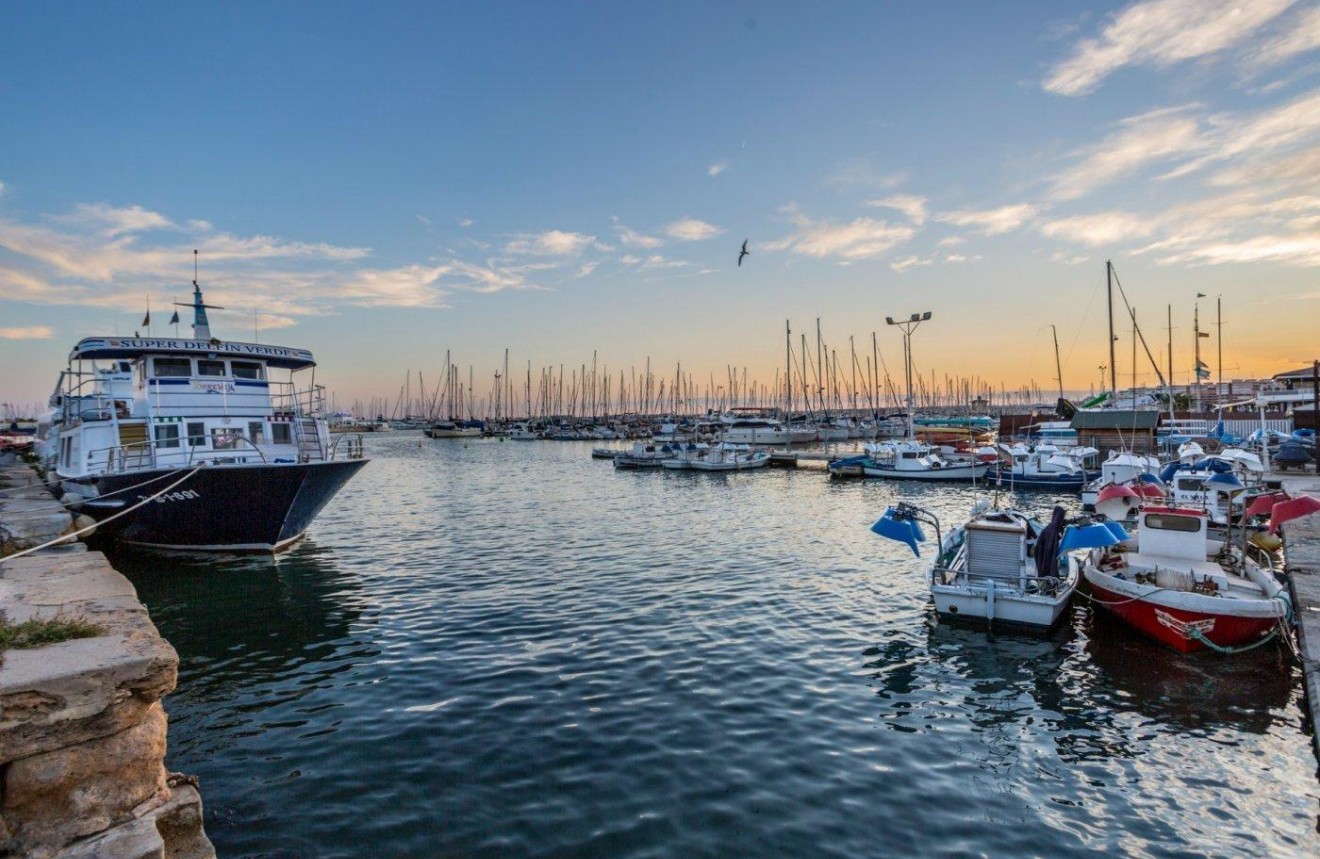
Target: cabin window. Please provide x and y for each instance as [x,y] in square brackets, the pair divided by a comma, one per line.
[167,435]
[172,367]
[1168,522]
[196,435]
[246,370]
[224,439]
[210,368]
[256,432]
[280,434]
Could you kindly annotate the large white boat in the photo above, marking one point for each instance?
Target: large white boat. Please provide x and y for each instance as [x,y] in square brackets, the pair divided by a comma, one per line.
[193,444]
[758,430]
[1119,468]
[452,429]
[1001,566]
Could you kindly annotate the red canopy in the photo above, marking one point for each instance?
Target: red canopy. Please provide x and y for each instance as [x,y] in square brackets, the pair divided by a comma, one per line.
[1262,504]
[1296,508]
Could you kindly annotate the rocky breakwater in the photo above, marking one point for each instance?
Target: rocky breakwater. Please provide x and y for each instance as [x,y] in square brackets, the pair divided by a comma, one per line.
[82,728]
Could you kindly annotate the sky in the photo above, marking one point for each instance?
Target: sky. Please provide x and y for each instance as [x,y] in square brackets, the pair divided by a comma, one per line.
[385,183]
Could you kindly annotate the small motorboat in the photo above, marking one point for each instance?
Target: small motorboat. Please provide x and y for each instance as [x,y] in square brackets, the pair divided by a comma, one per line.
[999,567]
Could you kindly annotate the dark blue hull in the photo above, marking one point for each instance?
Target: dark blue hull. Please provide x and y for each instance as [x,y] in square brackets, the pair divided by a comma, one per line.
[239,508]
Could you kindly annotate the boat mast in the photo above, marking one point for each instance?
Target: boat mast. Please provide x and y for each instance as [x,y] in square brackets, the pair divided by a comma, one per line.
[788,367]
[1109,280]
[1219,343]
[1058,368]
[1169,386]
[1196,366]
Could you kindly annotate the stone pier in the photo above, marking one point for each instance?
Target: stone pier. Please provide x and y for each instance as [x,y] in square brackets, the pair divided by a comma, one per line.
[1302,555]
[82,728]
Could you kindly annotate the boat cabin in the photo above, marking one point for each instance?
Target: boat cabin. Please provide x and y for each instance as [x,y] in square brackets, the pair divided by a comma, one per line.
[1174,532]
[133,403]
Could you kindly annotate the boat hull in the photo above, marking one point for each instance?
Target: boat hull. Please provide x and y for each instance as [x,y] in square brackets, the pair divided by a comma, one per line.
[1155,615]
[948,472]
[1068,482]
[239,508]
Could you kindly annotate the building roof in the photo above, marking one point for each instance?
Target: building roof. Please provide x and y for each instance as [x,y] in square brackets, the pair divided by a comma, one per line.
[1115,419]
[1305,374]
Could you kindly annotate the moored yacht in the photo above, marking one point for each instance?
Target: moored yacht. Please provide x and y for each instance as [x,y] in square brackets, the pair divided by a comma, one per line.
[192,444]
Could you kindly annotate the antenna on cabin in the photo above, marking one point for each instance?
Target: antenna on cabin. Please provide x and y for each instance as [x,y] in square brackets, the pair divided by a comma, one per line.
[201,328]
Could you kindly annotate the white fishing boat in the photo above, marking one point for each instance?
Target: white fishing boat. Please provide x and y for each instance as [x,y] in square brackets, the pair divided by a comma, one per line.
[1041,466]
[642,455]
[452,429]
[1119,468]
[756,430]
[908,460]
[730,457]
[1000,567]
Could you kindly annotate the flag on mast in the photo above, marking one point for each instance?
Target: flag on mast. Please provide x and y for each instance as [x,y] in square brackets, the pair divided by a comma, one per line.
[146,320]
[174,320]
[1202,371]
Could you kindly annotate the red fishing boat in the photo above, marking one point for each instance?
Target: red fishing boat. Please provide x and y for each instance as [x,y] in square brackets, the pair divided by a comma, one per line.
[1178,586]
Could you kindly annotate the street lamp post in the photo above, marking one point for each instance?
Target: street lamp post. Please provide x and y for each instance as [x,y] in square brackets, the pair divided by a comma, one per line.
[908,326]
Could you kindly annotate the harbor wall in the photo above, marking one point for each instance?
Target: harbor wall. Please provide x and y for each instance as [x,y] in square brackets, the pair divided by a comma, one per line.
[83,730]
[1302,560]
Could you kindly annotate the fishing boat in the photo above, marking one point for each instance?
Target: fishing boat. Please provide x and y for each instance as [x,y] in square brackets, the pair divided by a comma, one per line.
[642,455]
[907,460]
[1119,468]
[1175,584]
[202,448]
[757,430]
[1041,466]
[999,567]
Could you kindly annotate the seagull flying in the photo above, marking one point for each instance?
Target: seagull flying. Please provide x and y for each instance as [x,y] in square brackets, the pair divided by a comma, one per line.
[742,253]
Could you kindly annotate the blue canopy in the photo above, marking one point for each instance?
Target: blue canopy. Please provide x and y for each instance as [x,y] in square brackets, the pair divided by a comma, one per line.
[894,526]
[1089,537]
[1116,529]
[1147,477]
[1223,480]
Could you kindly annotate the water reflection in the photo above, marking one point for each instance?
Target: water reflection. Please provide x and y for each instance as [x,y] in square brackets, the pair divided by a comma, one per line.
[1193,692]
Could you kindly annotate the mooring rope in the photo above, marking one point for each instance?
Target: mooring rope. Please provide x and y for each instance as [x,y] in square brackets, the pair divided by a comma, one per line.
[67,537]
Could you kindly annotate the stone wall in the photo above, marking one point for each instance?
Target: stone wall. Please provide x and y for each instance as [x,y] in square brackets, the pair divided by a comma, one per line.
[82,728]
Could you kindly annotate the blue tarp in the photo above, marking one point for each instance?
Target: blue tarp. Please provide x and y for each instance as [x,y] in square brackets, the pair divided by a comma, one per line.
[1089,537]
[902,529]
[1116,529]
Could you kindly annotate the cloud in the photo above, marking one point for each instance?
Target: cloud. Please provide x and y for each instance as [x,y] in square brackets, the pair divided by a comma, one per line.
[2,189]
[629,259]
[406,286]
[951,242]
[422,219]
[32,332]
[1296,250]
[1140,140]
[1063,258]
[550,243]
[1252,137]
[1297,36]
[991,222]
[1160,33]
[465,222]
[692,230]
[861,173]
[587,268]
[634,239]
[909,204]
[717,168]
[902,265]
[1104,228]
[860,239]
[655,261]
[111,221]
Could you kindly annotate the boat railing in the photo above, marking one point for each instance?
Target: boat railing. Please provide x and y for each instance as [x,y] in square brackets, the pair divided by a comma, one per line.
[139,454]
[305,402]
[354,447]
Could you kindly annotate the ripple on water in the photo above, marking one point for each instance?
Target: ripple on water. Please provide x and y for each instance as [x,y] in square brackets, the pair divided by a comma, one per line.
[500,649]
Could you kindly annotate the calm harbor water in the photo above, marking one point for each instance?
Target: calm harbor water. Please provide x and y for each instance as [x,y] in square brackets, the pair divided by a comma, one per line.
[507,648]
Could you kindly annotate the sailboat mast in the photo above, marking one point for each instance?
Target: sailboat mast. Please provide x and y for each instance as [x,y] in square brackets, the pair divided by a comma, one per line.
[1058,368]
[788,369]
[1109,280]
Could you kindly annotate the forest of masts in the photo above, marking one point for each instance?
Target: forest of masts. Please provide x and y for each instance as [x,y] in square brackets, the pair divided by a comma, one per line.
[814,381]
